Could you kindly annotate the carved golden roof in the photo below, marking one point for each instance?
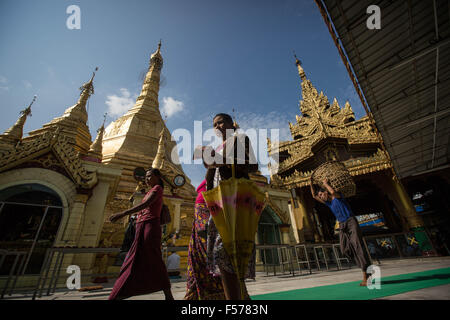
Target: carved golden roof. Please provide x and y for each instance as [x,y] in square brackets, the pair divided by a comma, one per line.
[317,112]
[57,143]
[357,166]
[320,120]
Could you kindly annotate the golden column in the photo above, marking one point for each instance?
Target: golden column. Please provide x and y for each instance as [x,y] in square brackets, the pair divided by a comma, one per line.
[284,229]
[413,219]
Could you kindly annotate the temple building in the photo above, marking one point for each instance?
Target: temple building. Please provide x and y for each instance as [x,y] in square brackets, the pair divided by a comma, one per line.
[327,132]
[52,193]
[58,187]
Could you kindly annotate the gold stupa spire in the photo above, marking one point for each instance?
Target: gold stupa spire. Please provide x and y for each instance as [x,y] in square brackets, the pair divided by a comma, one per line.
[95,151]
[15,133]
[148,98]
[78,111]
[301,72]
[158,162]
[74,120]
[136,139]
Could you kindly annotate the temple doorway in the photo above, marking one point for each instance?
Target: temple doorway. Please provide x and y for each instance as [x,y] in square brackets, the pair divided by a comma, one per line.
[269,234]
[30,216]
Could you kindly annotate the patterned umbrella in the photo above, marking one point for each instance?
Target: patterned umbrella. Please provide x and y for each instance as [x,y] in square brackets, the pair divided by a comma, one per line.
[235,206]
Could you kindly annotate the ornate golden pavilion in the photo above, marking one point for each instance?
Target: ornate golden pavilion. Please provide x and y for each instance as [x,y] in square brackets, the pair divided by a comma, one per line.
[326,132]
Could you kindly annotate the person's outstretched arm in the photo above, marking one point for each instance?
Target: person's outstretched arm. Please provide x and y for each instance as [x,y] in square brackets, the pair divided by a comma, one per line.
[314,194]
[330,190]
[137,208]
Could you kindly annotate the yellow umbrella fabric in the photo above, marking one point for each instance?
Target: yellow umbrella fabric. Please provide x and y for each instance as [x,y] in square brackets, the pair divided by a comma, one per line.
[235,206]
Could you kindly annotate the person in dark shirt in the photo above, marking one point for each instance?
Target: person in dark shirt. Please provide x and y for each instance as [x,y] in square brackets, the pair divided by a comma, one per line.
[350,235]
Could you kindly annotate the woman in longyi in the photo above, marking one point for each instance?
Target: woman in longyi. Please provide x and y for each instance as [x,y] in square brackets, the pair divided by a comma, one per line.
[144,270]
[201,285]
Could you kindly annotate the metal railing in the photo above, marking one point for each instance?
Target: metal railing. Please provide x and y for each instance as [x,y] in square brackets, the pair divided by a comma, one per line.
[274,258]
[60,252]
[291,257]
[13,272]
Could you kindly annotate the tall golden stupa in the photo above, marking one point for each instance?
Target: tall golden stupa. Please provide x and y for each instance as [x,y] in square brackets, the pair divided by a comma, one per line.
[140,138]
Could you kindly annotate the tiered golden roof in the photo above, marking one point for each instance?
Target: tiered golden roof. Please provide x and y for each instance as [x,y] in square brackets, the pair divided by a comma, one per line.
[318,122]
[73,123]
[53,150]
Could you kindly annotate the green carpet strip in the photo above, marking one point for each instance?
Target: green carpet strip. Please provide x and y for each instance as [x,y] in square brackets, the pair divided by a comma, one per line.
[391,285]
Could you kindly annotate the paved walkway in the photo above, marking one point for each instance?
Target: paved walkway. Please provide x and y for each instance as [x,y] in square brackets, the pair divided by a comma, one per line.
[269,284]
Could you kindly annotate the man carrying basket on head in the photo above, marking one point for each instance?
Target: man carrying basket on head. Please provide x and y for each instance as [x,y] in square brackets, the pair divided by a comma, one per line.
[350,236]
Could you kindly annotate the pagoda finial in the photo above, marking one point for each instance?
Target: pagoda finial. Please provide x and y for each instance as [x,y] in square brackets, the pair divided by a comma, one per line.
[87,89]
[159,157]
[15,133]
[96,149]
[156,59]
[104,119]
[301,72]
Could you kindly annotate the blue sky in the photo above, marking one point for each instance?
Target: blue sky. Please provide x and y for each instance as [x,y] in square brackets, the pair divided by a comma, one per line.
[218,55]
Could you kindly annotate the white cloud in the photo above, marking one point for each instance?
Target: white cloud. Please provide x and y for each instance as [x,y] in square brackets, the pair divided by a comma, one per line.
[118,105]
[171,106]
[3,81]
[27,84]
[271,120]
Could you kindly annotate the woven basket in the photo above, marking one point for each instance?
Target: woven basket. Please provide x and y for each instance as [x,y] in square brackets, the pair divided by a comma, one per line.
[338,177]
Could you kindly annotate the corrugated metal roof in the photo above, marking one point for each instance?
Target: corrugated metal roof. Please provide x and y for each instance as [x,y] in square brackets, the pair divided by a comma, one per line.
[396,67]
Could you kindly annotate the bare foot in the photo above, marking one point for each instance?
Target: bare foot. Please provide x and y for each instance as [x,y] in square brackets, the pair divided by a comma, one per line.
[363,284]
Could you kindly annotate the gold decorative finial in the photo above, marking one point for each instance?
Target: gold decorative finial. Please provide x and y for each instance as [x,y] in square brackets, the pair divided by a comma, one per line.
[88,88]
[27,110]
[158,161]
[93,73]
[14,134]
[298,63]
[96,149]
[235,124]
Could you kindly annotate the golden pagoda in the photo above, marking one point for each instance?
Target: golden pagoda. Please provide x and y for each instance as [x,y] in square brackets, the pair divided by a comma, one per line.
[140,138]
[327,132]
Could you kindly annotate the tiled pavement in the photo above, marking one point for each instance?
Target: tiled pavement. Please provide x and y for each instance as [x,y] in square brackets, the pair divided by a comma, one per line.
[267,284]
